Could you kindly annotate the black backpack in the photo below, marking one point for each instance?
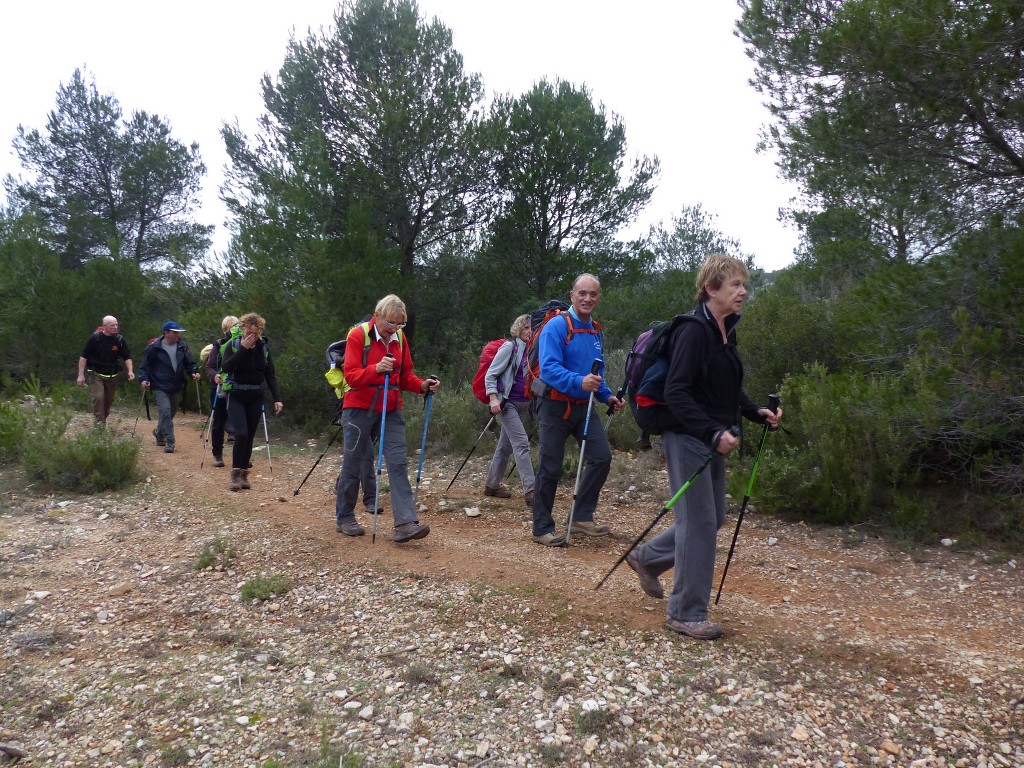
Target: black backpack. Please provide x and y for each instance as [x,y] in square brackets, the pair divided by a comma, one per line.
[646,371]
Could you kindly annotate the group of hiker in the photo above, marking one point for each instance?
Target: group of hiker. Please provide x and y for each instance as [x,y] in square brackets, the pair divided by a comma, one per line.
[555,362]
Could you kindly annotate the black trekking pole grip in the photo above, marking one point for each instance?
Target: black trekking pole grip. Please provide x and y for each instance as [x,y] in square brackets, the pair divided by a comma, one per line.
[428,393]
[773,405]
[620,395]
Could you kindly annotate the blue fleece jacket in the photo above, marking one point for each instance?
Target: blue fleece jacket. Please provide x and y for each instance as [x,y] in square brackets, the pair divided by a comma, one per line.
[563,366]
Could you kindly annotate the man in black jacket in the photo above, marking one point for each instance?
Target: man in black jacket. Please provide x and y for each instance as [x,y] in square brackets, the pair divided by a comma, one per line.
[101,357]
[166,365]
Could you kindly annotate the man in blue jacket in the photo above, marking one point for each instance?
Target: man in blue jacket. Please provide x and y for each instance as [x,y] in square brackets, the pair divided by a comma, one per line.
[568,345]
[166,365]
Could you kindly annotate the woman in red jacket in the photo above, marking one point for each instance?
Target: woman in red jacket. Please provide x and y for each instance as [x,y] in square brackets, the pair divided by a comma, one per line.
[377,356]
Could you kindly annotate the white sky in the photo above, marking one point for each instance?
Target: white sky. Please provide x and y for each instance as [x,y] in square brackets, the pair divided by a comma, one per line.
[671,69]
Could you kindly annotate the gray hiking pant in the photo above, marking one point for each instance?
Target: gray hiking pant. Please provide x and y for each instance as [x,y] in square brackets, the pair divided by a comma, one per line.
[559,421]
[166,406]
[358,428]
[513,440]
[689,545]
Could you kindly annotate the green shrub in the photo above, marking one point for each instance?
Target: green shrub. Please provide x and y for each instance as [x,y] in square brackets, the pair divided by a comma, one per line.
[89,461]
[13,423]
[265,587]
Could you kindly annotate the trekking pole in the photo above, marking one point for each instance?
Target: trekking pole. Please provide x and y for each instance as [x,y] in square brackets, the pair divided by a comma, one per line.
[266,436]
[199,400]
[141,402]
[429,398]
[317,462]
[205,435]
[488,426]
[583,447]
[380,453]
[773,406]
[663,511]
[621,395]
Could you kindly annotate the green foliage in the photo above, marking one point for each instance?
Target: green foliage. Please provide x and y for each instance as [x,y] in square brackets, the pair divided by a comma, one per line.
[265,587]
[107,187]
[89,461]
[851,459]
[563,198]
[13,425]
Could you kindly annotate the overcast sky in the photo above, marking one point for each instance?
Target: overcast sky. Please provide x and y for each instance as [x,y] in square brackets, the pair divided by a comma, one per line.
[671,69]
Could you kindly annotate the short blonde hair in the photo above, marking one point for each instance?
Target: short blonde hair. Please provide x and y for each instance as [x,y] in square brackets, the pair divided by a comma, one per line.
[391,305]
[229,322]
[518,325]
[252,319]
[716,269]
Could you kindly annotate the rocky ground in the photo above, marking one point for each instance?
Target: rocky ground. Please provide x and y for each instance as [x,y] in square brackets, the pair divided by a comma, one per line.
[125,639]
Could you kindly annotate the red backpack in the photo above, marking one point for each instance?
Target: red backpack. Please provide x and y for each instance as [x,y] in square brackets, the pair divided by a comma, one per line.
[486,356]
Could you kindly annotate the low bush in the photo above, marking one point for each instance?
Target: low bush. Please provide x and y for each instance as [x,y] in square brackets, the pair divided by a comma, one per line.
[13,423]
[89,461]
[265,587]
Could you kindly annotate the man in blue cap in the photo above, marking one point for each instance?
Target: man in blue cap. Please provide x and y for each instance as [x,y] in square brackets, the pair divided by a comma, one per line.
[166,364]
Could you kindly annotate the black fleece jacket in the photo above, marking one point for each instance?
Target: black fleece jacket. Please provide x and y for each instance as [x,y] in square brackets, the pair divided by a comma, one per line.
[704,388]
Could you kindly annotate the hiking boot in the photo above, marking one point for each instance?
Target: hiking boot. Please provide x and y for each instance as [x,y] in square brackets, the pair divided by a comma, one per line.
[159,437]
[644,442]
[235,484]
[550,539]
[370,510]
[701,630]
[528,497]
[590,528]
[649,582]
[218,461]
[243,477]
[168,447]
[410,531]
[351,528]
[501,492]
[230,437]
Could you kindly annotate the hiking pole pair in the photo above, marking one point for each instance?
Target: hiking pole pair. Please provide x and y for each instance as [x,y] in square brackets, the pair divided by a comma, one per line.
[380,452]
[482,433]
[664,510]
[773,406]
[428,399]
[583,448]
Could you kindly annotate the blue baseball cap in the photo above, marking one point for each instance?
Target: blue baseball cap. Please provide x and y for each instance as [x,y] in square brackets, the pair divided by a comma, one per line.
[170,325]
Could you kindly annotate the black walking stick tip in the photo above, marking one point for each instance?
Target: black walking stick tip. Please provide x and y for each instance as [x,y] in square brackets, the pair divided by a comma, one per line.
[596,366]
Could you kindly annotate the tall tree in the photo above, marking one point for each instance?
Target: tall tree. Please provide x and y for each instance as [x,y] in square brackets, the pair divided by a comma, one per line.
[911,113]
[564,190]
[104,186]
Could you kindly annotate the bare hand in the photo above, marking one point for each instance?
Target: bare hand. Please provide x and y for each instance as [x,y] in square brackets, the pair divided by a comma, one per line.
[145,384]
[726,442]
[81,380]
[616,404]
[131,375]
[249,340]
[431,385]
[772,418]
[385,365]
[591,382]
[278,407]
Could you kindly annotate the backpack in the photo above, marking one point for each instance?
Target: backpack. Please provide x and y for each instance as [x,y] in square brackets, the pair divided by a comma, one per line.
[646,371]
[335,374]
[535,387]
[486,356]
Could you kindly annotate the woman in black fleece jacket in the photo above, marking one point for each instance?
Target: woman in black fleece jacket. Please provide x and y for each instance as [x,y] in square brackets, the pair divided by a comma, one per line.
[247,366]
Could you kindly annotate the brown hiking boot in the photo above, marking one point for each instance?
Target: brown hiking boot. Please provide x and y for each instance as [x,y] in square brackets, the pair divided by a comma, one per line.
[410,531]
[590,528]
[218,460]
[501,492]
[701,630]
[648,579]
[243,476]
[529,498]
[235,483]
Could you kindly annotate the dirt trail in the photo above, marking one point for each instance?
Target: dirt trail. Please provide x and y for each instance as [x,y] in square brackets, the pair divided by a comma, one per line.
[819,591]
